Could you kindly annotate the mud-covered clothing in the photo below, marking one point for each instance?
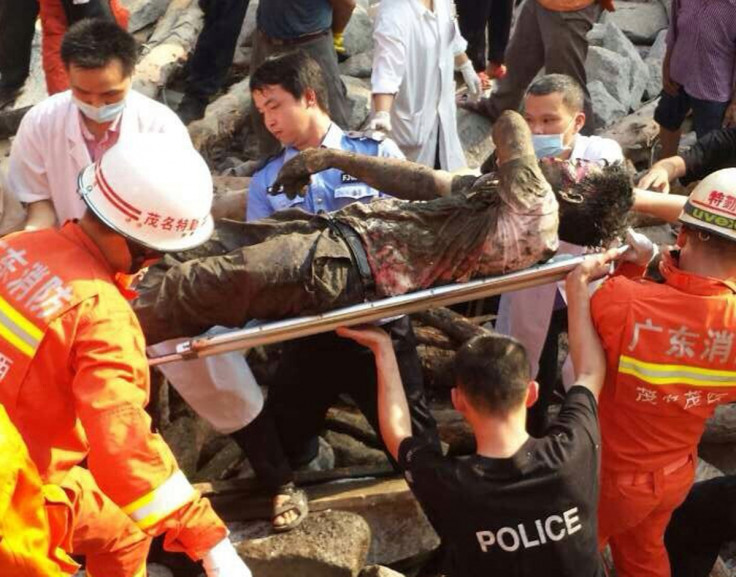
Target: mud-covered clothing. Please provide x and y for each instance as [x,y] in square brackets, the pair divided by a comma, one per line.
[530,514]
[295,263]
[713,152]
[491,229]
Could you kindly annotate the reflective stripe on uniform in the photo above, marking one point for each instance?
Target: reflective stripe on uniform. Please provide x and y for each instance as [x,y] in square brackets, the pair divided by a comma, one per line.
[175,492]
[17,330]
[670,374]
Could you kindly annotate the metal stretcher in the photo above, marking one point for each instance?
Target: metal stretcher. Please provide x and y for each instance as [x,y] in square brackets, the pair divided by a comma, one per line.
[272,332]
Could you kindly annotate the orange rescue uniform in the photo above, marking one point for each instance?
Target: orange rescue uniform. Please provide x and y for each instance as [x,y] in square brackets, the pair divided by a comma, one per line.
[55,25]
[74,380]
[671,352]
[27,546]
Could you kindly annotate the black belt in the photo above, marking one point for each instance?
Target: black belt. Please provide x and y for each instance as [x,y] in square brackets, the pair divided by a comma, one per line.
[357,252]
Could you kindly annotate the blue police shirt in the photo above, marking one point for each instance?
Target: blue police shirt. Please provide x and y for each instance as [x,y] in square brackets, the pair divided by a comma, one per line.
[329,190]
[289,19]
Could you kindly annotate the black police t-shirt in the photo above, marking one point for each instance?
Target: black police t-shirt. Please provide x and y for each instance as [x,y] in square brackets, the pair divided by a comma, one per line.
[531,514]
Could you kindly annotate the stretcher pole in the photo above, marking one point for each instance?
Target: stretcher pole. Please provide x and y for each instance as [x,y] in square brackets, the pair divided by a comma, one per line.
[553,270]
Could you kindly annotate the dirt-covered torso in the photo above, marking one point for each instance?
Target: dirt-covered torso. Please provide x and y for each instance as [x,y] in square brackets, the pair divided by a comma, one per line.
[488,227]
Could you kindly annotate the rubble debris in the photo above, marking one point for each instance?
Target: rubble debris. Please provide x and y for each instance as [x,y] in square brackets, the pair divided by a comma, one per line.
[327,544]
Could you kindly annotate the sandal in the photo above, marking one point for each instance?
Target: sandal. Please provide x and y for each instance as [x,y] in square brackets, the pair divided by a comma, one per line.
[297,501]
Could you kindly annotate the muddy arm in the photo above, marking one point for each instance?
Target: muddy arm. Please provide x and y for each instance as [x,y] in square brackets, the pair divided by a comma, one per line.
[399,178]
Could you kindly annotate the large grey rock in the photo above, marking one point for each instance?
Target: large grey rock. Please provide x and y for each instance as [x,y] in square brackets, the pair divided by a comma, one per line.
[640,21]
[359,66]
[608,35]
[667,4]
[654,61]
[400,530]
[350,452]
[359,32]
[613,71]
[721,427]
[328,544]
[606,109]
[144,12]
[474,131]
[705,471]
[359,95]
[379,571]
[249,25]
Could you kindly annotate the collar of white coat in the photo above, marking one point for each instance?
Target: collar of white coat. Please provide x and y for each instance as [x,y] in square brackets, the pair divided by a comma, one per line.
[74,130]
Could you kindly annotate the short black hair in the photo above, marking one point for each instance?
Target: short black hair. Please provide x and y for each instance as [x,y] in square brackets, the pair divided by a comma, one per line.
[573,96]
[94,43]
[494,373]
[295,72]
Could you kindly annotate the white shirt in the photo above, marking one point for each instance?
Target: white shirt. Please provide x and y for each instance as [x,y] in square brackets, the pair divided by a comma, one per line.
[49,150]
[414,58]
[525,314]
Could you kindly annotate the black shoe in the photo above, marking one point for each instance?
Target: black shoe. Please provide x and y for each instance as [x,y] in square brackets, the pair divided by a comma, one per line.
[9,92]
[191,108]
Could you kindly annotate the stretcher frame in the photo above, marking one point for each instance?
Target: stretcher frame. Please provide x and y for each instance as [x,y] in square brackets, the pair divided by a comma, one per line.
[240,339]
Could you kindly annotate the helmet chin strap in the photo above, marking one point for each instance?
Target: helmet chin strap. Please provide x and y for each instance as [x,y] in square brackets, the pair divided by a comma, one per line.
[140,256]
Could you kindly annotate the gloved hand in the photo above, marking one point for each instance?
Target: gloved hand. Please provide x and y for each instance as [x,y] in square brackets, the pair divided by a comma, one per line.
[380,122]
[223,561]
[338,39]
[641,249]
[472,80]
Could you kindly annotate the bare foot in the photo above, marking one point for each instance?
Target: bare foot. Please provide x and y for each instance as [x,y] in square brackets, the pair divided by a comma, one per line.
[512,137]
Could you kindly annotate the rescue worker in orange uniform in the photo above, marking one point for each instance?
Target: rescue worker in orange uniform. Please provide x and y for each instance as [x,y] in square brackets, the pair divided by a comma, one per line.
[73,372]
[669,331]
[56,17]
[26,548]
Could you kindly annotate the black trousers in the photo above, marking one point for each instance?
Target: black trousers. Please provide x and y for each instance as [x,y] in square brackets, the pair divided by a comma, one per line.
[700,526]
[311,375]
[17,25]
[474,16]
[537,419]
[213,55]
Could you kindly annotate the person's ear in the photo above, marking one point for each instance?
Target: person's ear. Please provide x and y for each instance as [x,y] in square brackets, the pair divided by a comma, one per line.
[682,237]
[310,96]
[579,122]
[532,393]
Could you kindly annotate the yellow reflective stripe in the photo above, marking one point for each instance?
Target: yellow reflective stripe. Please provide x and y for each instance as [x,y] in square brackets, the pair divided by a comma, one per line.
[175,492]
[671,374]
[17,330]
[32,330]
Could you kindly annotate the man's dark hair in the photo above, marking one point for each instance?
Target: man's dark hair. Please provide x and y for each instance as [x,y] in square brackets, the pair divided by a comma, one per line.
[572,93]
[295,72]
[493,371]
[93,43]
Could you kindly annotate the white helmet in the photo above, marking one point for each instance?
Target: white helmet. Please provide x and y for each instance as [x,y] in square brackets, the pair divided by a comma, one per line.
[152,188]
[712,204]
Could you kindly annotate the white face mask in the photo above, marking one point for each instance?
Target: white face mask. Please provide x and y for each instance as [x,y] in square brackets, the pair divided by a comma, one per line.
[101,114]
[546,145]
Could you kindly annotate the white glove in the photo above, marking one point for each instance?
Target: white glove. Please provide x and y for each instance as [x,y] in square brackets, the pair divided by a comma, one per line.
[380,122]
[471,79]
[223,561]
[641,249]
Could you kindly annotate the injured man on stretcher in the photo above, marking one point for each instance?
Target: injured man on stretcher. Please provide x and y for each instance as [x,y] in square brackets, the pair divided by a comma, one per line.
[453,228]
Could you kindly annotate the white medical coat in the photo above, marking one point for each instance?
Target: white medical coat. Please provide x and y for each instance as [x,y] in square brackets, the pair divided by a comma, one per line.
[414,58]
[49,150]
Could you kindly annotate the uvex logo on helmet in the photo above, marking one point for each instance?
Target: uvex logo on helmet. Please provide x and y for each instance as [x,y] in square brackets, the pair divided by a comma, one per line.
[712,204]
